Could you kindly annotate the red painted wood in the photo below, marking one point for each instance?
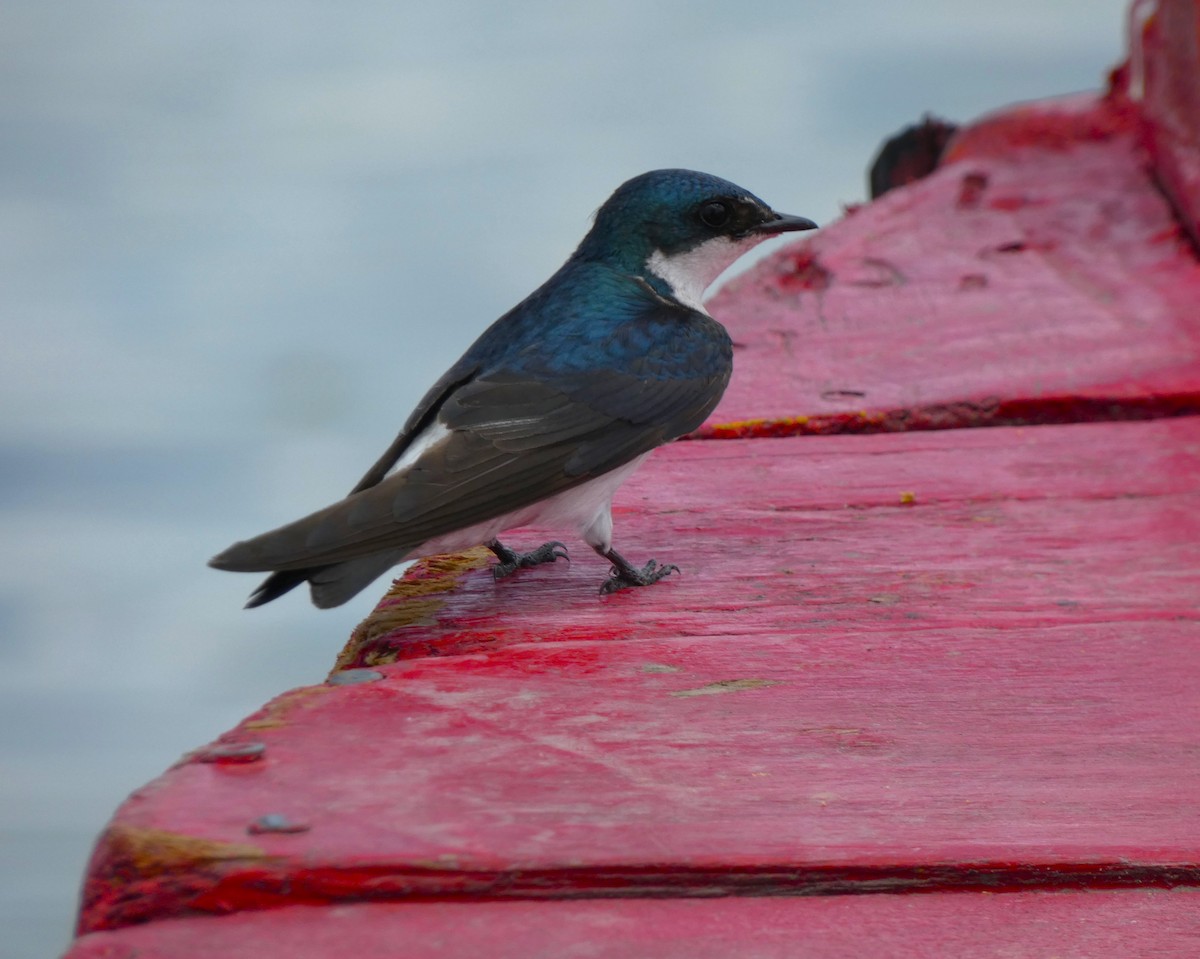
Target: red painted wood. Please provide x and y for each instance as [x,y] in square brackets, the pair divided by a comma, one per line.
[995,686]
[1037,526]
[1164,70]
[1038,276]
[1155,924]
[920,662]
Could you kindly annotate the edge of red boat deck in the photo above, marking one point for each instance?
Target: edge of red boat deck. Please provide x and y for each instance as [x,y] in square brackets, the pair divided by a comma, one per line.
[963,664]
[1145,923]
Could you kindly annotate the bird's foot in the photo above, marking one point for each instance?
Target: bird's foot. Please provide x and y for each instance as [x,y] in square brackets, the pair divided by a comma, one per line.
[625,575]
[511,560]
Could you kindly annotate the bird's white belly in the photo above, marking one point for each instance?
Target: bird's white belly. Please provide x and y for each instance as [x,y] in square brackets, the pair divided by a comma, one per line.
[586,508]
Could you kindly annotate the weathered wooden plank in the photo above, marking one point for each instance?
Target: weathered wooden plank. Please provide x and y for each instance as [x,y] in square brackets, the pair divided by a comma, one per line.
[996,528]
[740,764]
[1039,276]
[1164,70]
[1153,923]
[994,686]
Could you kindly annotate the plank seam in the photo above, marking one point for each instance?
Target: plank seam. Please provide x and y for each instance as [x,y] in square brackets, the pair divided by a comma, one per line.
[1042,411]
[263,888]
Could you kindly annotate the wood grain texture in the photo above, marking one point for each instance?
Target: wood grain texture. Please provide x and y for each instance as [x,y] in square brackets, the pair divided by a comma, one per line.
[961,665]
[1044,526]
[1142,924]
[993,687]
[1039,276]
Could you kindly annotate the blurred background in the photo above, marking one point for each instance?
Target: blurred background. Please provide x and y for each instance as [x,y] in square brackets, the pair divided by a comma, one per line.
[239,240]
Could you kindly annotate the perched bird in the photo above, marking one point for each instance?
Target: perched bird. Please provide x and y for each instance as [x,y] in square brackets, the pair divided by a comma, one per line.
[552,408]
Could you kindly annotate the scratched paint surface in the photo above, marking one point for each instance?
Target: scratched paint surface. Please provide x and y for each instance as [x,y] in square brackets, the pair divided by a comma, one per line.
[840,688]
[949,662]
[865,533]
[1035,271]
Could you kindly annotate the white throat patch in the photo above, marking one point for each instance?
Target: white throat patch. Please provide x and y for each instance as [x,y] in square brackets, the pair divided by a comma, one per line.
[690,274]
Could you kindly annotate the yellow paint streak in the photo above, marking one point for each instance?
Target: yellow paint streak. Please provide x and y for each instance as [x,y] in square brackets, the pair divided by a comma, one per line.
[412,600]
[153,852]
[736,428]
[276,713]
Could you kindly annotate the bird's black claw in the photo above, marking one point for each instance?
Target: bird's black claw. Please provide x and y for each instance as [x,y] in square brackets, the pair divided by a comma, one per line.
[625,578]
[511,561]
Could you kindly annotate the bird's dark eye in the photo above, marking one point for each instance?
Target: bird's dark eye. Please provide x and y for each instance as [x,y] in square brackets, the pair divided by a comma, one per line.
[714,213]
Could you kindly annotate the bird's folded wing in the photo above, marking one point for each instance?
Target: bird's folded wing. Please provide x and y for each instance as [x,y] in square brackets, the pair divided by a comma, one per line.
[511,441]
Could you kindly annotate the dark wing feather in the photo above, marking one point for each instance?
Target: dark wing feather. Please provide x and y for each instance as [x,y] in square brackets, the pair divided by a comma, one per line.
[476,473]
[286,580]
[518,435]
[426,410]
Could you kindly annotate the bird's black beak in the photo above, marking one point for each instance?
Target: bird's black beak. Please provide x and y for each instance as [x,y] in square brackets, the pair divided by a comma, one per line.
[784,224]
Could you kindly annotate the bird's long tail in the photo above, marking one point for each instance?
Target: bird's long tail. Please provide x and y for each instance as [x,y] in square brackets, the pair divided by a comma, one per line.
[277,584]
[334,584]
[329,585]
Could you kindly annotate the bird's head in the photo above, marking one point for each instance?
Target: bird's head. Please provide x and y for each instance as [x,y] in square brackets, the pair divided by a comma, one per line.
[682,227]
